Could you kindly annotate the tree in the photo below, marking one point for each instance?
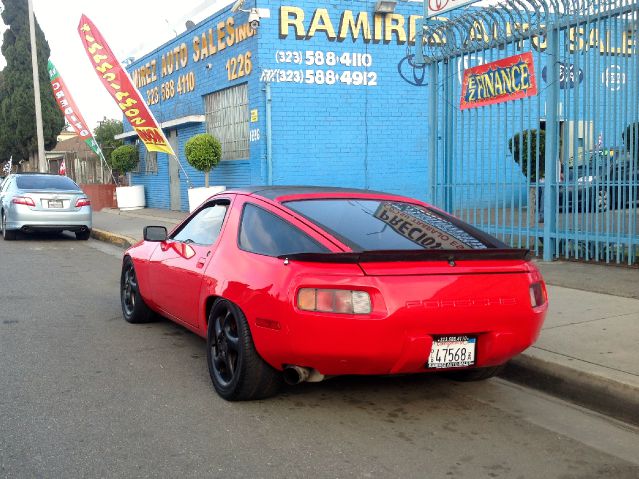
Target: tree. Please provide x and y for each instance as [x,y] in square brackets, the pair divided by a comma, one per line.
[18,137]
[124,159]
[203,152]
[524,146]
[104,134]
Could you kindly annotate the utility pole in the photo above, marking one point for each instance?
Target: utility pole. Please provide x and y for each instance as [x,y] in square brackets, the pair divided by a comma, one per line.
[42,161]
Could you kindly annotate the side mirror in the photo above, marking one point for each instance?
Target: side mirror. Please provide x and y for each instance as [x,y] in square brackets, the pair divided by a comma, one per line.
[155,233]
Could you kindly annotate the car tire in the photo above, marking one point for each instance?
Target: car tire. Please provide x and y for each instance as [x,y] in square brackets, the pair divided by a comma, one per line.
[134,309]
[237,371]
[477,374]
[83,235]
[7,235]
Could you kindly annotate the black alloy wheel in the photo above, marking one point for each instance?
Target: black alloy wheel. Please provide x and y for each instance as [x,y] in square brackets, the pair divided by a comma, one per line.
[237,371]
[8,235]
[134,309]
[225,347]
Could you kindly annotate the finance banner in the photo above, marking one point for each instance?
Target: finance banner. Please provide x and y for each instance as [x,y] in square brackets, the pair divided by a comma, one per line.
[70,109]
[507,79]
[119,85]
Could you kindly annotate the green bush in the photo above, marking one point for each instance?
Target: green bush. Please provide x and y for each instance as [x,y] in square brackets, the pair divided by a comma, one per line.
[203,152]
[523,146]
[124,158]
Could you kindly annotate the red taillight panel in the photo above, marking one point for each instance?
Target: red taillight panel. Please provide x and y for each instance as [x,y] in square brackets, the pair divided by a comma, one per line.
[538,295]
[83,202]
[23,200]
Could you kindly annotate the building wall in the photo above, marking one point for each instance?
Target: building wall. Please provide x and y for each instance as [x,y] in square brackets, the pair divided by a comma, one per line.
[331,132]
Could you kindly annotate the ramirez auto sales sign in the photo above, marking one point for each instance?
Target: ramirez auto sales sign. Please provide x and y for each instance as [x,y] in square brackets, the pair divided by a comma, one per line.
[507,79]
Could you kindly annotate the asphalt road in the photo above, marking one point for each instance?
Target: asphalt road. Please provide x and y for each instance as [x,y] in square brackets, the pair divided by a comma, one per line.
[85,394]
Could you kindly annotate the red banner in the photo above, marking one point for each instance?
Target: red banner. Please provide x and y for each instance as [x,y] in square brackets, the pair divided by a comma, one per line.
[507,79]
[118,83]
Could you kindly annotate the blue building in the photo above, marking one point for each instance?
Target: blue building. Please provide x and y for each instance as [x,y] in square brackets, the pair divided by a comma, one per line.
[329,93]
[320,93]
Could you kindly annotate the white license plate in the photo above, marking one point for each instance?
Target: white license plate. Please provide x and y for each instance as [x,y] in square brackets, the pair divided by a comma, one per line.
[55,204]
[452,352]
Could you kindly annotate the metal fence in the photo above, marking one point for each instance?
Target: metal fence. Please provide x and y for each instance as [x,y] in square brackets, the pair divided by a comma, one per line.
[556,172]
[83,169]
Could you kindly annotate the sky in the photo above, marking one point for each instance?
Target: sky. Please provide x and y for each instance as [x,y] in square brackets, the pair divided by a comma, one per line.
[132,28]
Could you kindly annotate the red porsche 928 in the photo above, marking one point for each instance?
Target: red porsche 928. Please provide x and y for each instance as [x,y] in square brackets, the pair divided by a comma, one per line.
[302,283]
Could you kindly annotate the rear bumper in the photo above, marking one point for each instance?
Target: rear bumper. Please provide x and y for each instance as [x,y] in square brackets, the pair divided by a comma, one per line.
[21,217]
[408,313]
[394,345]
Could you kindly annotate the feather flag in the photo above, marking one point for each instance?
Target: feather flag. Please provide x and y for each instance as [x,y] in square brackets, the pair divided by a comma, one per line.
[120,86]
[71,113]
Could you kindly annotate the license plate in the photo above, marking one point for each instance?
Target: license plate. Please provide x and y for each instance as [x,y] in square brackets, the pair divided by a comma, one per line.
[55,204]
[452,352]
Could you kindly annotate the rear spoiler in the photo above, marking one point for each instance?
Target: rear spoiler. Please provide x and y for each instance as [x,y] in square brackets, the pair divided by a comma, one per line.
[412,255]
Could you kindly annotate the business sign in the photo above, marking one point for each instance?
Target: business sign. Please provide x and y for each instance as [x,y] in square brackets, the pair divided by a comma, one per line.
[507,79]
[119,85]
[569,75]
[70,109]
[437,7]
[425,229]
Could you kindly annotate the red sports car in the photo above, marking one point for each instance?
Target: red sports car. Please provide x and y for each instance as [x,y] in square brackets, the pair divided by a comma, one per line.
[301,283]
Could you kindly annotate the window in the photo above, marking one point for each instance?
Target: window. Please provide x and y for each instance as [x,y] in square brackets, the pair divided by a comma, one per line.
[203,228]
[46,182]
[374,225]
[264,233]
[227,119]
[151,161]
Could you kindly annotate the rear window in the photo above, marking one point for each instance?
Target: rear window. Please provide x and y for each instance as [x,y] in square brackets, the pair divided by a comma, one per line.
[374,225]
[45,182]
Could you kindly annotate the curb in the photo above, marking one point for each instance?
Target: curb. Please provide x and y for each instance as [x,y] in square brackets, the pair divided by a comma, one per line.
[112,238]
[607,396]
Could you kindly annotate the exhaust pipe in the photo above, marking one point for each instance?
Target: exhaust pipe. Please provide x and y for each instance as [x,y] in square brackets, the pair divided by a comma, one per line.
[298,374]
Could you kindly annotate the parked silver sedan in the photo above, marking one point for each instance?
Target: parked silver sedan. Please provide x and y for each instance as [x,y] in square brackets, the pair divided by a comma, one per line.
[43,202]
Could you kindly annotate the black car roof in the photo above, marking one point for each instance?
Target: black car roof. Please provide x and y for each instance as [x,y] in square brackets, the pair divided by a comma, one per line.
[273,192]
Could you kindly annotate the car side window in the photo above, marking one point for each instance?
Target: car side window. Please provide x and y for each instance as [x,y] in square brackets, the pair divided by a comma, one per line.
[267,234]
[204,227]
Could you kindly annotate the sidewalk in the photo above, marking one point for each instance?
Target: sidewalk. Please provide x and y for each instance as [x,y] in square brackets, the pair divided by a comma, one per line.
[588,351]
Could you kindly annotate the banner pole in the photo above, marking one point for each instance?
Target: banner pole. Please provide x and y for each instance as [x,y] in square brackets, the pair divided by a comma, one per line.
[186,176]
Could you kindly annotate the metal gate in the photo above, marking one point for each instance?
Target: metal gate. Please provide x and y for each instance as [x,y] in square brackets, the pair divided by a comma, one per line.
[557,171]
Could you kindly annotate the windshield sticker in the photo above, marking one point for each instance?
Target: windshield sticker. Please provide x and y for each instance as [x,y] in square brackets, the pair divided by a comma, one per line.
[425,229]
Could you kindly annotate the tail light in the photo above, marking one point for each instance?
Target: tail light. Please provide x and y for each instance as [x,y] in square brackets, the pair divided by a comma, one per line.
[334,301]
[83,202]
[23,200]
[538,295]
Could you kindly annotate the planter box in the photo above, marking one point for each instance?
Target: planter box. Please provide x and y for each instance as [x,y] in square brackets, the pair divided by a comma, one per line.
[130,197]
[197,196]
